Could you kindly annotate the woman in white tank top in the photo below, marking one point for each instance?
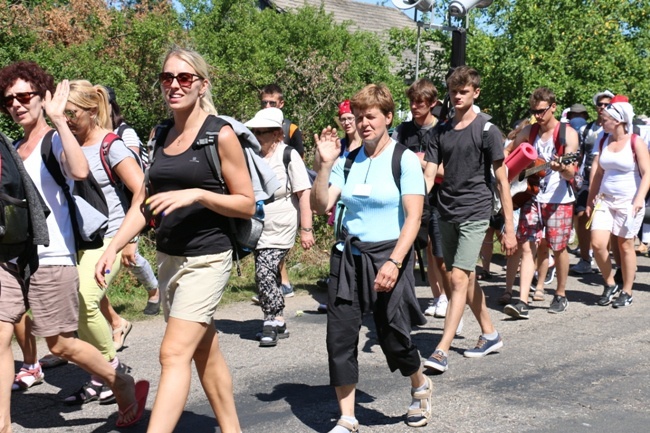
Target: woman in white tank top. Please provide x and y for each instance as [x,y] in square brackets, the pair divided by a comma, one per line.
[616,203]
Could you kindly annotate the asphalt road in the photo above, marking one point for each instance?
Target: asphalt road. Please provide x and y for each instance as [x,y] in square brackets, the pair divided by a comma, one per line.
[587,370]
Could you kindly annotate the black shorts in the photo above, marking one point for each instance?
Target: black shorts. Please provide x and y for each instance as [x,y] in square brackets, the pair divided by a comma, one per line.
[581,199]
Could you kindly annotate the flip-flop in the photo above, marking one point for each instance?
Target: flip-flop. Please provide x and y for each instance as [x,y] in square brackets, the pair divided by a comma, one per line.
[141,393]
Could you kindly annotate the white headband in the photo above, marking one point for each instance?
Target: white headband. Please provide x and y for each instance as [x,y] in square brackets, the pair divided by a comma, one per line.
[621,112]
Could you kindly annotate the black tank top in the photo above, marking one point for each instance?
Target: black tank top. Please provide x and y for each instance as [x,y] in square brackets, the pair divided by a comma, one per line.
[193,230]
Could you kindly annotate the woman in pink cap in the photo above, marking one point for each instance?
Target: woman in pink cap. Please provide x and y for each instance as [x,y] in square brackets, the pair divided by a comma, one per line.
[352,139]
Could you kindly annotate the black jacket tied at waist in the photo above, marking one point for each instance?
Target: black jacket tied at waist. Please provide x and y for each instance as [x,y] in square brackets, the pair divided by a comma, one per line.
[402,307]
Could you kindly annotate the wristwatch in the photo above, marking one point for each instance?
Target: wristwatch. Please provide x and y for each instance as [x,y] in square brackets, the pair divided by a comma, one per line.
[396,263]
[307,229]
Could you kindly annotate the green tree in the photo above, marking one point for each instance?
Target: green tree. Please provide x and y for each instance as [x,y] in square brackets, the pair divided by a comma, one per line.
[574,47]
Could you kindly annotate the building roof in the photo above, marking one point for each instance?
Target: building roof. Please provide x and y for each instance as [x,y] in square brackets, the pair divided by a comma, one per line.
[362,16]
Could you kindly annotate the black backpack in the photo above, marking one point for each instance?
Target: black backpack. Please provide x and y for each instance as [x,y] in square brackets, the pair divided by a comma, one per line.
[87,190]
[14,212]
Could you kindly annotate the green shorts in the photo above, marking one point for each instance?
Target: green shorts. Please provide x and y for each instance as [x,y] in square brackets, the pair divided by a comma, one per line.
[461,243]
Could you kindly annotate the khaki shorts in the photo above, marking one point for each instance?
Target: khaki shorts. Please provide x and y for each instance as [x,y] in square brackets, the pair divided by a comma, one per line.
[12,298]
[461,243]
[191,287]
[54,300]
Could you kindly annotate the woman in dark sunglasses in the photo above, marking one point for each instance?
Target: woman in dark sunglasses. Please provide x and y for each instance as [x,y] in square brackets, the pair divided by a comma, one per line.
[25,93]
[616,203]
[194,251]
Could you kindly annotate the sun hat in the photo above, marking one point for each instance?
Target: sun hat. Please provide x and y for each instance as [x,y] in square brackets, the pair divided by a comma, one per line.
[604,93]
[266,118]
[578,108]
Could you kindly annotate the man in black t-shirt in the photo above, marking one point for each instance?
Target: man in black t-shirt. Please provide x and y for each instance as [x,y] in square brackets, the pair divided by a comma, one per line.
[465,205]
[416,134]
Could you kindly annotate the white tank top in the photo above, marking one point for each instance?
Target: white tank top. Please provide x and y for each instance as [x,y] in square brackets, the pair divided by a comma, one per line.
[621,177]
[553,188]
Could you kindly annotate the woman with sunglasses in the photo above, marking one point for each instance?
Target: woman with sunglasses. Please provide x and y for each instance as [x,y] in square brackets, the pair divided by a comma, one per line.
[88,116]
[194,251]
[616,203]
[282,217]
[54,288]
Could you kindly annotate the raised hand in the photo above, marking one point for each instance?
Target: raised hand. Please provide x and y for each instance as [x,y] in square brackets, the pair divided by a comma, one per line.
[328,145]
[54,105]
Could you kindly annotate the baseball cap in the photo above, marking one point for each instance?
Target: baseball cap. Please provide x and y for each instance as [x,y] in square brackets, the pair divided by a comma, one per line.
[266,118]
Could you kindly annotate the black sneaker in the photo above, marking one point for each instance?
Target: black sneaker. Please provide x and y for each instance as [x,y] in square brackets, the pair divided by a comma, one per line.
[558,305]
[269,336]
[152,308]
[282,331]
[623,300]
[618,277]
[517,311]
[608,295]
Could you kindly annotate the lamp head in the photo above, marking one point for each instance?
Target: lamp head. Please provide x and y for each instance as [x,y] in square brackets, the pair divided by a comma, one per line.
[421,5]
[460,8]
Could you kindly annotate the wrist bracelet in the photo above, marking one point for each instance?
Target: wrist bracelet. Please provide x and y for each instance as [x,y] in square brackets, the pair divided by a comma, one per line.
[307,229]
[134,240]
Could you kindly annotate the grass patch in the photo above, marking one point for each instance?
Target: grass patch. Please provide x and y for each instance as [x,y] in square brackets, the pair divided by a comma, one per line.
[129,298]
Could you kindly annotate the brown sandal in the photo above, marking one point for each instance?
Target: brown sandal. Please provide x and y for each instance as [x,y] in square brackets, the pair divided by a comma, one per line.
[538,296]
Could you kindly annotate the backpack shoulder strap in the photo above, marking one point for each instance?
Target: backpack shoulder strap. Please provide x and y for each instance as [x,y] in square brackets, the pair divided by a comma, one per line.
[209,142]
[349,160]
[105,148]
[120,130]
[534,130]
[396,165]
[586,130]
[559,138]
[157,138]
[602,142]
[286,130]
[51,163]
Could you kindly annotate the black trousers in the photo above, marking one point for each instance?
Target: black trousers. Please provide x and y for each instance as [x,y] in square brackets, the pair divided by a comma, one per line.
[344,320]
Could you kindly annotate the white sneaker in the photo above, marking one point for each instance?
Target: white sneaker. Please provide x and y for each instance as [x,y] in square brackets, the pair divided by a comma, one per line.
[582,267]
[459,330]
[431,308]
[441,308]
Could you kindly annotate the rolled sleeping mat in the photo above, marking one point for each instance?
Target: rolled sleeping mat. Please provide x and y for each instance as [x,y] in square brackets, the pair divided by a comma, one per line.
[519,159]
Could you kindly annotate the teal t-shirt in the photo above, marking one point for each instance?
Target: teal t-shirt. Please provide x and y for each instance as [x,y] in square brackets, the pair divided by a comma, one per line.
[373,204]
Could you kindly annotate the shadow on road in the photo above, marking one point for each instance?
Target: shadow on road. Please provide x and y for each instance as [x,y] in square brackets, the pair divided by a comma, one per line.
[316,406]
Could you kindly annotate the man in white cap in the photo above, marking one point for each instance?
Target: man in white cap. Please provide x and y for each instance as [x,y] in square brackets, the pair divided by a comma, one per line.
[587,136]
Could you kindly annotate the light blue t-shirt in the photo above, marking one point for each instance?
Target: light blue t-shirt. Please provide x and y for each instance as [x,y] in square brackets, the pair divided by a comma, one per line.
[374,210]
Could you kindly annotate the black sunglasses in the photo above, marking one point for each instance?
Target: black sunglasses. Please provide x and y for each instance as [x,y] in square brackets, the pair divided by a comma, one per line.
[539,112]
[262,131]
[22,97]
[602,104]
[185,79]
[269,103]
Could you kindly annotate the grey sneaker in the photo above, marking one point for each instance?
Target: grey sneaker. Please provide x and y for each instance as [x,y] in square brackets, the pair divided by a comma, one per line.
[608,295]
[582,267]
[558,305]
[623,300]
[517,311]
[483,347]
[437,361]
